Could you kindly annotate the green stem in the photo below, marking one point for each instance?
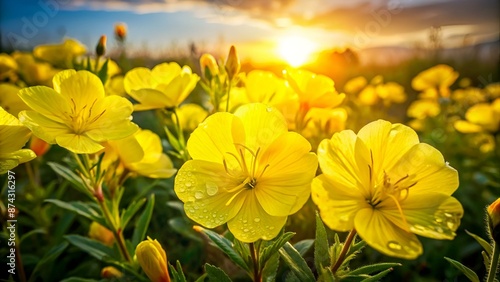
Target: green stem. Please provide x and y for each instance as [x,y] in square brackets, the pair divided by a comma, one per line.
[228,94]
[493,263]
[117,233]
[256,268]
[345,248]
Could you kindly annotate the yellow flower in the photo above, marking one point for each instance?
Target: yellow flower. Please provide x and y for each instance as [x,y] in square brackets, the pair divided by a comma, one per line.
[323,124]
[247,170]
[355,85]
[60,55]
[153,260]
[493,211]
[314,90]
[470,95]
[101,234]
[421,109]
[391,92]
[76,114]
[493,90]
[14,137]
[34,72]
[388,187]
[114,86]
[8,68]
[190,115]
[9,100]
[141,153]
[480,117]
[368,96]
[208,65]
[113,68]
[439,77]
[167,85]
[110,272]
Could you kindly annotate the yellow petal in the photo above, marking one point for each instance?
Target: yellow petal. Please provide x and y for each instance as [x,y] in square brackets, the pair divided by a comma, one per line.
[253,223]
[14,134]
[467,127]
[387,143]
[337,204]
[161,168]
[43,127]
[262,125]
[426,170]
[150,99]
[204,188]
[60,77]
[138,78]
[129,149]
[433,215]
[78,144]
[164,73]
[216,137]
[384,236]
[82,89]
[47,102]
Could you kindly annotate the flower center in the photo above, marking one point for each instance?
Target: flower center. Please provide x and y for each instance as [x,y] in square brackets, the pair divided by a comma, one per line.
[81,118]
[248,170]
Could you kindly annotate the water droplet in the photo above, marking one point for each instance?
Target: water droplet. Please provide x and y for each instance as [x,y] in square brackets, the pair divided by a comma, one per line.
[271,227]
[256,219]
[191,199]
[212,188]
[198,195]
[182,190]
[245,221]
[269,109]
[395,246]
[246,230]
[188,184]
[191,210]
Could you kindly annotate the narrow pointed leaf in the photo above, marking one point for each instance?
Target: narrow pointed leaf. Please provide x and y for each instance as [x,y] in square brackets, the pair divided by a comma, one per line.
[378,276]
[486,246]
[86,210]
[274,247]
[94,248]
[321,253]
[303,246]
[50,256]
[296,263]
[216,274]
[464,269]
[69,175]
[130,212]
[143,222]
[226,246]
[372,268]
[271,268]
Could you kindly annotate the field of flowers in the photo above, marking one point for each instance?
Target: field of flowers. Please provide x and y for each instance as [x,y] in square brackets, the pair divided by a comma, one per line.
[164,173]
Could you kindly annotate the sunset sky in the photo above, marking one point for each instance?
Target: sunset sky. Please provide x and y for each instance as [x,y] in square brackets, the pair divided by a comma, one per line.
[256,27]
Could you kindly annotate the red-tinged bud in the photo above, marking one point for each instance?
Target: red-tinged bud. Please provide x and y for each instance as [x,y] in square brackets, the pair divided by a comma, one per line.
[100,49]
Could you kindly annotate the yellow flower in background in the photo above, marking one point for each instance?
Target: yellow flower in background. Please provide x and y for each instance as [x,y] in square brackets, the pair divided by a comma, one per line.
[153,260]
[140,153]
[356,84]
[323,124]
[76,114]
[439,77]
[14,137]
[60,55]
[9,100]
[480,117]
[114,86]
[101,234]
[8,68]
[493,90]
[113,68]
[470,95]
[368,96]
[208,65]
[388,187]
[313,90]
[423,108]
[391,92]
[247,170]
[167,85]
[190,116]
[34,72]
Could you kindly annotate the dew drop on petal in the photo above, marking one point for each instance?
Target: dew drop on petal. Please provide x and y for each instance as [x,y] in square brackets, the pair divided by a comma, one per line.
[188,184]
[256,219]
[269,109]
[395,246]
[198,195]
[212,188]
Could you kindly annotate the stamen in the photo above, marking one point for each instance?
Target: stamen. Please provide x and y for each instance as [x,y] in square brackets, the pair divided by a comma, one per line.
[267,165]
[254,164]
[403,178]
[399,209]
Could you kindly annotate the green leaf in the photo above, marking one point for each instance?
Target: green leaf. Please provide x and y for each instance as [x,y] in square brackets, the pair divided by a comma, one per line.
[321,249]
[274,247]
[486,246]
[177,274]
[303,246]
[184,228]
[51,255]
[31,233]
[94,248]
[143,222]
[271,268]
[327,275]
[369,269]
[296,263]
[226,246]
[103,72]
[216,274]
[69,175]
[174,142]
[86,210]
[464,269]
[130,212]
[377,277]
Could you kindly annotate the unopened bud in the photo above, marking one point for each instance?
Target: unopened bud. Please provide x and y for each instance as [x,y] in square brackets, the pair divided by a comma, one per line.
[153,260]
[39,146]
[209,67]
[494,220]
[101,234]
[110,272]
[232,63]
[120,31]
[100,49]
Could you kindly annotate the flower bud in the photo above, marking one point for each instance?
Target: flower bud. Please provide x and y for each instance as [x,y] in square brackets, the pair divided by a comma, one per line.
[232,63]
[101,234]
[209,67]
[153,260]
[120,31]
[110,272]
[39,146]
[100,49]
[493,211]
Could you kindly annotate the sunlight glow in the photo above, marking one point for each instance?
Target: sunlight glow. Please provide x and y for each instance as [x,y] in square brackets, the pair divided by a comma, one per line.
[296,50]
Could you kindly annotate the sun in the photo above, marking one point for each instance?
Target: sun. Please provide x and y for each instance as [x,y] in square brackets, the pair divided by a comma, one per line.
[296,50]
